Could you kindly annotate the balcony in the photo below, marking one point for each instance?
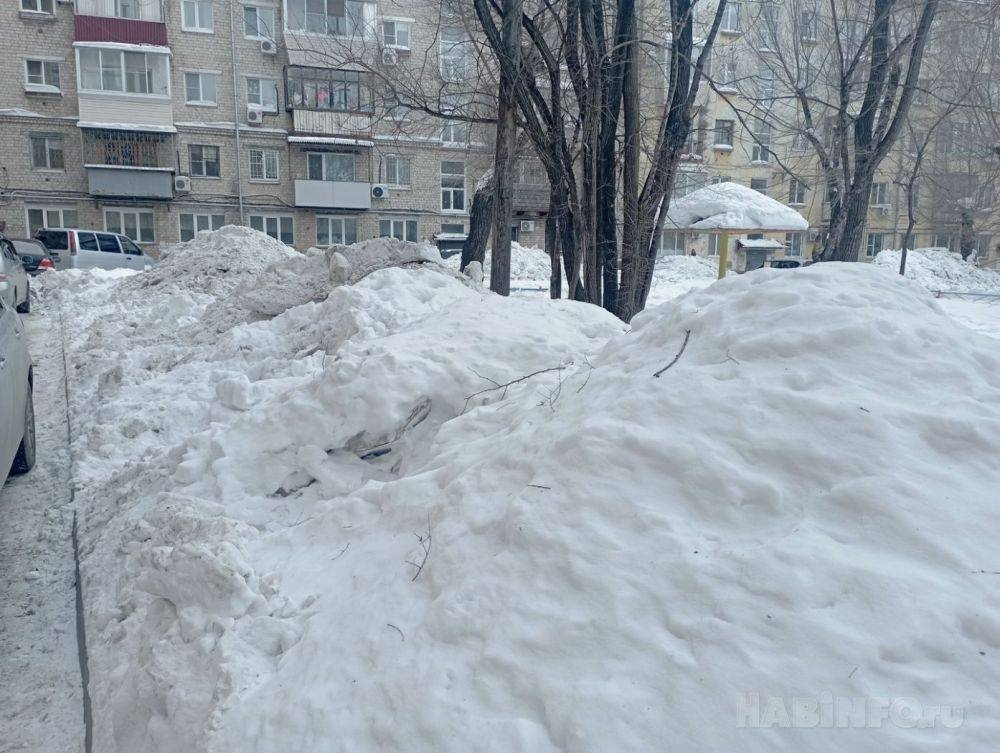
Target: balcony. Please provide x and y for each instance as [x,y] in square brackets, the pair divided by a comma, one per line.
[128,164]
[123,22]
[330,194]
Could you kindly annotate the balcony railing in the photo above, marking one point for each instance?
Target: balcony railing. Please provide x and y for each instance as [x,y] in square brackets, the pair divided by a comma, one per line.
[121,30]
[114,148]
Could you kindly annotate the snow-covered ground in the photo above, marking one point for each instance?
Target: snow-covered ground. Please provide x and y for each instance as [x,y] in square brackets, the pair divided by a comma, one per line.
[938,269]
[415,516]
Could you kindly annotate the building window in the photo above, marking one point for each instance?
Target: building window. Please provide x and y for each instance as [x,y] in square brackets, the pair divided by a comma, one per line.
[38,6]
[124,71]
[880,194]
[396,34]
[263,93]
[39,217]
[875,244]
[204,161]
[807,25]
[455,132]
[195,223]
[258,21]
[716,179]
[724,130]
[196,15]
[727,70]
[264,165]
[47,152]
[452,53]
[330,17]
[453,186]
[793,244]
[713,244]
[330,166]
[731,18]
[329,89]
[800,142]
[41,76]
[137,224]
[401,229]
[336,230]
[397,170]
[456,228]
[672,243]
[760,151]
[759,185]
[765,82]
[279,227]
[768,23]
[796,192]
[199,88]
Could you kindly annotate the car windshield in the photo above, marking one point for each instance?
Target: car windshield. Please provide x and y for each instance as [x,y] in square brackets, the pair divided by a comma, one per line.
[54,240]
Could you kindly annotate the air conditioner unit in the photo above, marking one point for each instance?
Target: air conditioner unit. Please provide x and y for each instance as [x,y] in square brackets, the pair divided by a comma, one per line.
[380,192]
[255,116]
[813,235]
[389,56]
[527,226]
[268,47]
[182,184]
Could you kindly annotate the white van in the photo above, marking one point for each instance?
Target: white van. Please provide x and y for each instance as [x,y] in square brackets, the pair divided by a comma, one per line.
[72,248]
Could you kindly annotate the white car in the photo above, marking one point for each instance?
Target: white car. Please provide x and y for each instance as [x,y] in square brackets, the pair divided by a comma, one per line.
[73,248]
[17,412]
[14,286]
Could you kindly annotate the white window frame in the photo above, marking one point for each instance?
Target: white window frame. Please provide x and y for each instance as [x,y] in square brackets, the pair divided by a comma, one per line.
[265,153]
[449,193]
[135,212]
[266,83]
[731,19]
[796,192]
[731,133]
[367,29]
[793,244]
[405,225]
[204,162]
[760,151]
[202,102]
[449,127]
[453,54]
[397,22]
[326,158]
[209,218]
[880,194]
[342,220]
[47,137]
[678,246]
[102,50]
[45,209]
[38,7]
[870,252]
[767,185]
[199,27]
[279,221]
[396,160]
[45,87]
[257,8]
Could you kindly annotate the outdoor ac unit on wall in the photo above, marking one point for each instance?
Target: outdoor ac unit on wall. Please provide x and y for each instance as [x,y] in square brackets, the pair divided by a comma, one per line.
[182,184]
[527,226]
[380,192]
[255,116]
[390,56]
[268,47]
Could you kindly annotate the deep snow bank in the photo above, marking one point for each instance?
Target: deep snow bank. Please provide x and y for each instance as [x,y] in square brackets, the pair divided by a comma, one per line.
[676,275]
[529,266]
[940,269]
[312,533]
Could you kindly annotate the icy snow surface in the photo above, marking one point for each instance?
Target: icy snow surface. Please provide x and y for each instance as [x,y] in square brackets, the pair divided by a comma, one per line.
[732,206]
[309,532]
[940,269]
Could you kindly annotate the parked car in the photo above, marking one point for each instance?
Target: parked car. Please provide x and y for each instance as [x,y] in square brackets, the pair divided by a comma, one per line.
[33,254]
[14,286]
[92,249]
[17,412]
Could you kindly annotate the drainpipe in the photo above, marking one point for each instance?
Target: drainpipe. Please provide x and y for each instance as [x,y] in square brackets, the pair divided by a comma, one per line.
[236,110]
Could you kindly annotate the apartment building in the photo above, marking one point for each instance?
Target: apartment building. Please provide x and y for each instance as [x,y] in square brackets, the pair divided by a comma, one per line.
[159,118]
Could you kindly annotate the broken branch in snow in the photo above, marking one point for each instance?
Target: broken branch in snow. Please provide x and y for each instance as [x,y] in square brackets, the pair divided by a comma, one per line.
[401,636]
[341,553]
[506,385]
[687,335]
[425,545]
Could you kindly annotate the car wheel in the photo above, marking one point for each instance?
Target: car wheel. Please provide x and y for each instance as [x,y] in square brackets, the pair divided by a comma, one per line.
[24,460]
[25,308]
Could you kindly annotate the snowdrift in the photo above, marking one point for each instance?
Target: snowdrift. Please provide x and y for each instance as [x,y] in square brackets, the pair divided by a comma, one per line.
[940,269]
[415,516]
[529,266]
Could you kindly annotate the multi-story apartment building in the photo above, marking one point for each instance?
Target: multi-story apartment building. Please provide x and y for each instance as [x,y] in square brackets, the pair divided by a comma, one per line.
[158,118]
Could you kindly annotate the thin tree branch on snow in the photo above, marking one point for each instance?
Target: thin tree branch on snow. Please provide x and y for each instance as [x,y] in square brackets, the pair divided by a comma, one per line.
[687,335]
[506,385]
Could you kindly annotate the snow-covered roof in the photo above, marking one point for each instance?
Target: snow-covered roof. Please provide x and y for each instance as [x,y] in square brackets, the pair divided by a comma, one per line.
[733,208]
[451,236]
[760,243]
[127,127]
[329,140]
[20,112]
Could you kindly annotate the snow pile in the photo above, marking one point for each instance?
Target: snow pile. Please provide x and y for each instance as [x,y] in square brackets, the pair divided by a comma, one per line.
[676,275]
[416,516]
[529,266]
[732,206]
[940,269]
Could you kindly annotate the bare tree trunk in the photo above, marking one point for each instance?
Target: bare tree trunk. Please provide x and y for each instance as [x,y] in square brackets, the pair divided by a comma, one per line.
[552,244]
[480,223]
[510,27]
[967,234]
